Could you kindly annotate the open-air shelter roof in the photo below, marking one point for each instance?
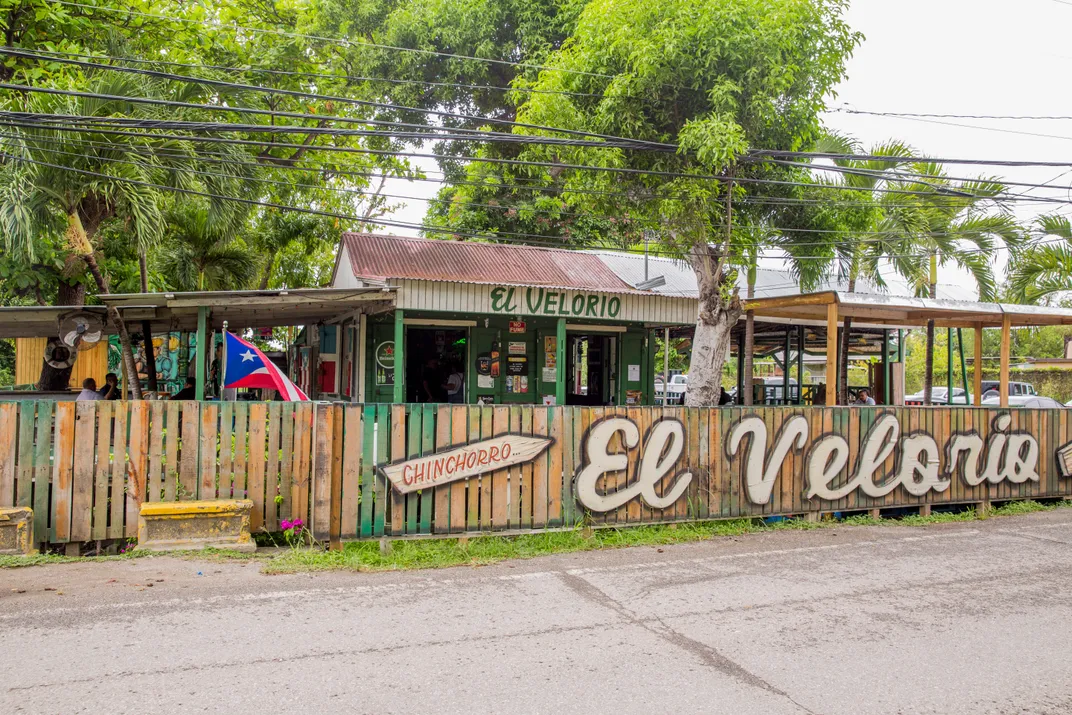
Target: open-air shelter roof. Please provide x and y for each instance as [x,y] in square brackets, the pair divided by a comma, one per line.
[901,311]
[179,311]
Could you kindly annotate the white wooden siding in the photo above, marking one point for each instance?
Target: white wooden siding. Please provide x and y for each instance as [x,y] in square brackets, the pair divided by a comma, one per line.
[475,298]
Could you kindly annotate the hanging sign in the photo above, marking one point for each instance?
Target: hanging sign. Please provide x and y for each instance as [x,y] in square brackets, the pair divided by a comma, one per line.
[385,355]
[517,326]
[463,462]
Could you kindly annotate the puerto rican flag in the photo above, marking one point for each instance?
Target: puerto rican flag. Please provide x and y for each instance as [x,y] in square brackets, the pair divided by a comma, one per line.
[249,367]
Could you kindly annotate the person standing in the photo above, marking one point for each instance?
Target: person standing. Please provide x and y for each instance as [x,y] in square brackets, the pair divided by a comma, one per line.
[456,385]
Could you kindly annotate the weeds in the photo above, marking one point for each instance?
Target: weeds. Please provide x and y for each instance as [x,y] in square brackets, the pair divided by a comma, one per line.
[407,554]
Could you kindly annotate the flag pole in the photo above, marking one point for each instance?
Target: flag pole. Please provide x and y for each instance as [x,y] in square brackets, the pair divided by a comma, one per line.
[223,357]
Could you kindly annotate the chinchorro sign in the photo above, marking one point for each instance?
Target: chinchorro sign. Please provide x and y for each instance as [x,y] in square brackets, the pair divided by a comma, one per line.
[463,462]
[886,459]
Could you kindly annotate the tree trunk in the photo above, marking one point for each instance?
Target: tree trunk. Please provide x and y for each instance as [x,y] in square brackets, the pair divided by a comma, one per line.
[147,326]
[79,241]
[715,321]
[51,379]
[749,350]
[928,368]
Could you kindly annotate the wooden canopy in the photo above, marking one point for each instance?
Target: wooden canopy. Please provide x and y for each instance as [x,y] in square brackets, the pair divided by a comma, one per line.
[898,311]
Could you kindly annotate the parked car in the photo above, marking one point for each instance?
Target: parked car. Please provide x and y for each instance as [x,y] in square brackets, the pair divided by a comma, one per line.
[1036,401]
[938,396]
[1016,389]
[676,393]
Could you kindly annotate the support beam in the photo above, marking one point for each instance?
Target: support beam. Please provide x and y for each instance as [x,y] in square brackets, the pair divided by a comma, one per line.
[560,361]
[963,365]
[1006,349]
[785,367]
[831,354]
[977,376]
[400,362]
[361,353]
[886,366]
[203,350]
[666,365]
[800,364]
[949,366]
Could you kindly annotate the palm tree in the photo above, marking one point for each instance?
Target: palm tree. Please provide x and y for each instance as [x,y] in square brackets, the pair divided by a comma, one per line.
[860,227]
[964,221]
[1042,269]
[203,251]
[69,183]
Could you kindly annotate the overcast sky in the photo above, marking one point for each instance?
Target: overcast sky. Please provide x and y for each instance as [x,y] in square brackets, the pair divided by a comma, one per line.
[971,57]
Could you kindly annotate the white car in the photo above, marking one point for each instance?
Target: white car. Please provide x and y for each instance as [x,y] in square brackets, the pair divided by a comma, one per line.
[938,396]
[1034,401]
[676,396]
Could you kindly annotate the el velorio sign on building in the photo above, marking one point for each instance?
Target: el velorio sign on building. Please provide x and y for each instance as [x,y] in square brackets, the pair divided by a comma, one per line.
[516,300]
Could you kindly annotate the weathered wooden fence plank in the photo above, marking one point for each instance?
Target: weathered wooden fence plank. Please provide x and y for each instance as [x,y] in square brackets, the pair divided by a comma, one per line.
[351,470]
[63,472]
[210,419]
[24,472]
[117,486]
[8,439]
[85,425]
[137,466]
[442,493]
[271,471]
[42,471]
[189,435]
[322,462]
[156,450]
[171,454]
[258,412]
[379,484]
[398,452]
[459,432]
[368,474]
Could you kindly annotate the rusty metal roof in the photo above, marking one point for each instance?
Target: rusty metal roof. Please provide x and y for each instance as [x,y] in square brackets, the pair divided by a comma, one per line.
[384,257]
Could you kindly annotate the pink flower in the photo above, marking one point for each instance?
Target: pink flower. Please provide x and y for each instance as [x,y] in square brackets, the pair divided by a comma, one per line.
[285,524]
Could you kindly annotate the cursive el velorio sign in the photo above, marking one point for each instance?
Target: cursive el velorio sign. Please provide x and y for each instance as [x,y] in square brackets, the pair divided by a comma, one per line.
[462,462]
[886,460]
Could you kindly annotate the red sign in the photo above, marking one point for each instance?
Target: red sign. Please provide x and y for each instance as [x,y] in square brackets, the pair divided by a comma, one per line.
[462,462]
[517,326]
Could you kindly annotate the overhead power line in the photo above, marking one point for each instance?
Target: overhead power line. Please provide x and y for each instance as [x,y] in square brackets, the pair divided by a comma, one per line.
[399,224]
[318,75]
[314,95]
[774,230]
[94,125]
[931,115]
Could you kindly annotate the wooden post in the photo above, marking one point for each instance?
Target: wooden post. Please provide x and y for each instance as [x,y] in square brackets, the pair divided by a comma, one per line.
[560,361]
[785,368]
[203,349]
[977,377]
[831,354]
[800,364]
[335,508]
[313,336]
[361,354]
[949,366]
[400,364]
[886,366]
[1006,348]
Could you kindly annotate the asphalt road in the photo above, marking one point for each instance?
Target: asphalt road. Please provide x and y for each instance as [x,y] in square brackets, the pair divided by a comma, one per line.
[968,618]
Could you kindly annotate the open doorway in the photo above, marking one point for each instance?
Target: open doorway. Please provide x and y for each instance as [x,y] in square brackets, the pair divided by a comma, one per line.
[432,355]
[590,379]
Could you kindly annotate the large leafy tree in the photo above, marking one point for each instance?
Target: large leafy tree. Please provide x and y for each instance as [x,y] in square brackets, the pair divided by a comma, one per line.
[713,80]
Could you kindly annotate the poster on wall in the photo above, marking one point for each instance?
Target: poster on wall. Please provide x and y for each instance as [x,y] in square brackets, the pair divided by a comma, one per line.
[549,374]
[485,382]
[517,348]
[517,365]
[634,373]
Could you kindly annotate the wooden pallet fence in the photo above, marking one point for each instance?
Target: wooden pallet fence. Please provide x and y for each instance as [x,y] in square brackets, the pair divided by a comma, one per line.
[85,468]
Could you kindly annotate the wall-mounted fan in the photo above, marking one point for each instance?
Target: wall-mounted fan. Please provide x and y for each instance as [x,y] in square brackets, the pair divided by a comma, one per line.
[80,328]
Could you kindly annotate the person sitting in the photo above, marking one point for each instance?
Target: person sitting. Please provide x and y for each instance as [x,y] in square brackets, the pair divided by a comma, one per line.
[188,391]
[110,391]
[89,391]
[863,397]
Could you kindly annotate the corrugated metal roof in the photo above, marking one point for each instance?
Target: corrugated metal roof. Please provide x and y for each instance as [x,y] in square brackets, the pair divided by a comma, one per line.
[770,283]
[384,257]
